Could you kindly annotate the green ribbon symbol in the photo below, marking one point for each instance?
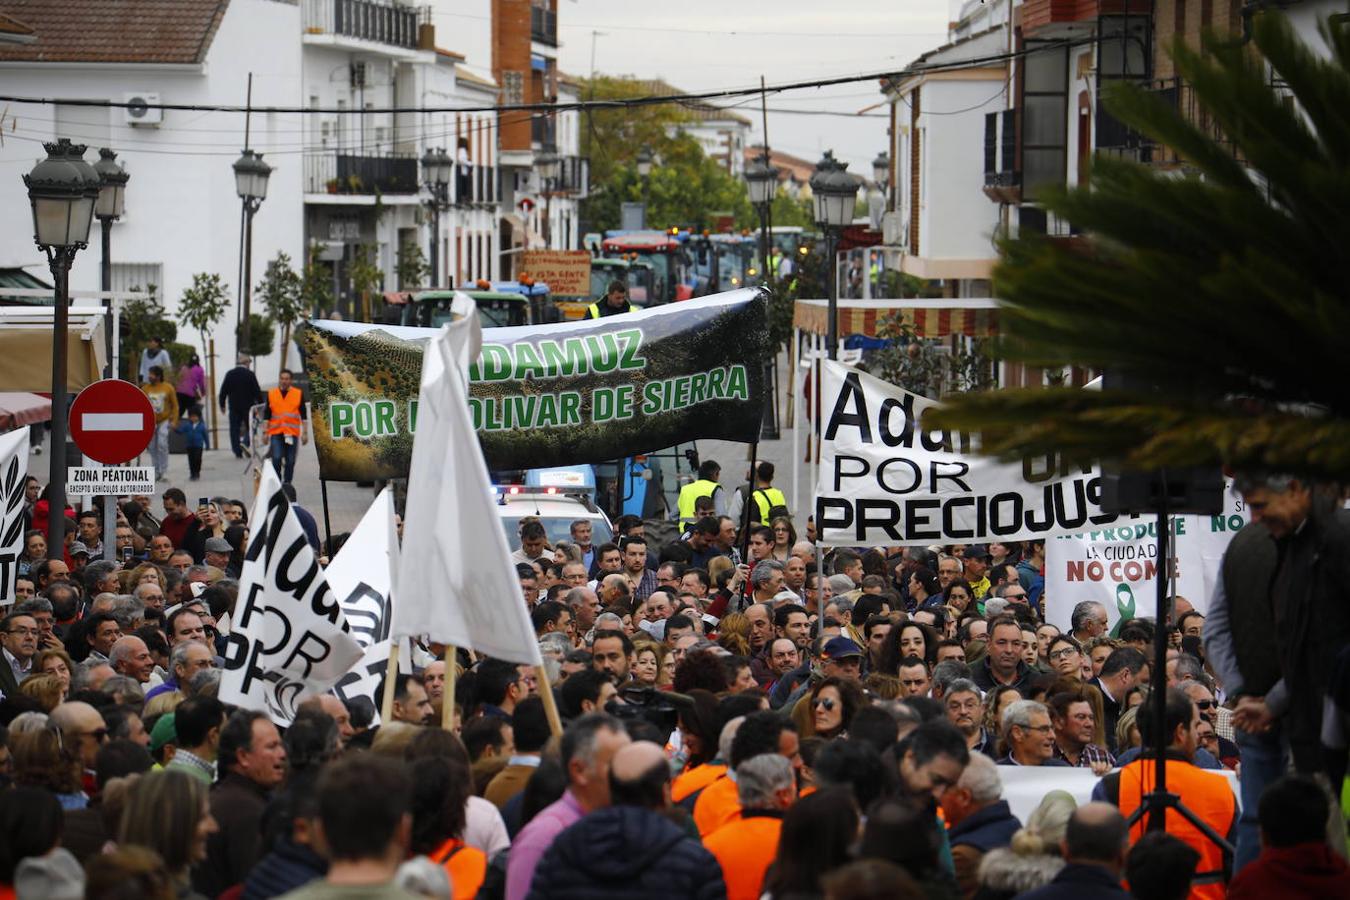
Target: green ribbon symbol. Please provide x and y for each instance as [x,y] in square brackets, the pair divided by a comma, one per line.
[1124,605]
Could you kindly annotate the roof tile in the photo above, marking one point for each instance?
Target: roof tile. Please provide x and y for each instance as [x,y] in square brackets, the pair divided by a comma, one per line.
[104,31]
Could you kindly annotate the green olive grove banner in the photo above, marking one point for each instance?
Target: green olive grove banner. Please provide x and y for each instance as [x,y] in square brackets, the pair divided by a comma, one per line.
[547,395]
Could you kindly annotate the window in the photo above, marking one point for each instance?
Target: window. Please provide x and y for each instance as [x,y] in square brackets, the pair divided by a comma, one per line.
[129,276]
[1045,98]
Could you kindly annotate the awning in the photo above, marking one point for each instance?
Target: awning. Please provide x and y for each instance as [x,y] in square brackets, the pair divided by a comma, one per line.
[26,348]
[18,409]
[932,318]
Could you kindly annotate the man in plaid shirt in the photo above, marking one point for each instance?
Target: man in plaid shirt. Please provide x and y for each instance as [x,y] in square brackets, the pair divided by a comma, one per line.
[1075,726]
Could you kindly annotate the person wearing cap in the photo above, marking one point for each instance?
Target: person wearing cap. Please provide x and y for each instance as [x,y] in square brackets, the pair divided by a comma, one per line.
[217,553]
[77,556]
[163,740]
[977,569]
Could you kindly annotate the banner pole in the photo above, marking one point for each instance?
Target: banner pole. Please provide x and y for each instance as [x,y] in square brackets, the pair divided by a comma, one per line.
[815,482]
[550,702]
[448,698]
[745,514]
[327,523]
[390,677]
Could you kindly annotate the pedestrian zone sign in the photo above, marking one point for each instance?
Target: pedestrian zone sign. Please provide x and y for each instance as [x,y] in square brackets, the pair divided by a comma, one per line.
[91,481]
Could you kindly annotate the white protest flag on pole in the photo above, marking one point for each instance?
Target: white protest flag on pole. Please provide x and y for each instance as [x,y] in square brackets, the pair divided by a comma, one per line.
[456,583]
[363,577]
[13,474]
[289,637]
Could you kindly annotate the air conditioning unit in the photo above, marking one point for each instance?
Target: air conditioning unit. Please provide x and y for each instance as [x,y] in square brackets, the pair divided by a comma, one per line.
[142,108]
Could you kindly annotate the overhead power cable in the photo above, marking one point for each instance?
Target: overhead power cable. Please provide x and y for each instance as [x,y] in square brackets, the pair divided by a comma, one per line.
[629,103]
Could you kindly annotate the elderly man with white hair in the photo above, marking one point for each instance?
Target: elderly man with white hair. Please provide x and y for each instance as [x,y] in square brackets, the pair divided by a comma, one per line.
[129,656]
[766,786]
[978,819]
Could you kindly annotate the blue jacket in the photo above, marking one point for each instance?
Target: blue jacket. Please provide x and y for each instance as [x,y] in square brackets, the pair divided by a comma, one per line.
[624,851]
[196,434]
[287,867]
[1080,882]
[991,827]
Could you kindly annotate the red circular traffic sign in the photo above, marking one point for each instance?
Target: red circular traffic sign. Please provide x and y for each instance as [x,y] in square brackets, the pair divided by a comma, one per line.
[112,421]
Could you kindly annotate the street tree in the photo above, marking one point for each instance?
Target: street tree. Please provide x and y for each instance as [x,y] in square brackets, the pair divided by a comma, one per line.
[281,293]
[1219,285]
[201,308]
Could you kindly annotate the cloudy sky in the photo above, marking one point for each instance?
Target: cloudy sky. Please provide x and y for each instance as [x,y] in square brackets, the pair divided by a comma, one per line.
[702,45]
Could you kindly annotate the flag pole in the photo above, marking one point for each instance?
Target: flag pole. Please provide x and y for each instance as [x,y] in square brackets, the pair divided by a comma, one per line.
[327,523]
[390,679]
[550,703]
[448,698]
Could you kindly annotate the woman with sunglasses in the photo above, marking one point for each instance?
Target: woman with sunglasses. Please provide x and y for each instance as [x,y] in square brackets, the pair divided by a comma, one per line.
[834,702]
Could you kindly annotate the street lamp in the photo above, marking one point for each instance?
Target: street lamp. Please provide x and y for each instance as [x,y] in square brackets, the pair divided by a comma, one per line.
[761,180]
[250,181]
[834,192]
[881,169]
[112,180]
[437,170]
[62,189]
[644,161]
[549,165]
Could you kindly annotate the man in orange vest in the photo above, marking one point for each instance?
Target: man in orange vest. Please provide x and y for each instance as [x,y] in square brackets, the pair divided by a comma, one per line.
[766,786]
[1204,793]
[286,417]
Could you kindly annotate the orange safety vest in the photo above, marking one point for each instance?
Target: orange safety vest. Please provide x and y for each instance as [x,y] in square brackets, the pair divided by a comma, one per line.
[744,850]
[467,866]
[719,804]
[691,781]
[1204,793]
[285,412]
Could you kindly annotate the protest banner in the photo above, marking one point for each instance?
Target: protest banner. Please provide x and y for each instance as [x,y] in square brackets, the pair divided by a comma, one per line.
[13,474]
[1118,566]
[1024,787]
[887,480]
[289,636]
[362,577]
[547,395]
[456,583]
[566,272]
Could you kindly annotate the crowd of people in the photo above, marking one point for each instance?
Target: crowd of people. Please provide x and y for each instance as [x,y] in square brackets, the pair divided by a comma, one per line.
[735,724]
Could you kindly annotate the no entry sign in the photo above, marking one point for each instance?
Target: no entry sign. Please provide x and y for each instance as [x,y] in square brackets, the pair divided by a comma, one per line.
[112,421]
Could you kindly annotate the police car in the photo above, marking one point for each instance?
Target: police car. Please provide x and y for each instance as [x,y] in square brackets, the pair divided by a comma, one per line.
[557,498]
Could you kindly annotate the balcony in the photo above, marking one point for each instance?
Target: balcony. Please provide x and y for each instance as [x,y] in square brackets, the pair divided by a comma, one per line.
[544,25]
[343,174]
[378,21]
[473,185]
[575,177]
[1114,138]
[1002,181]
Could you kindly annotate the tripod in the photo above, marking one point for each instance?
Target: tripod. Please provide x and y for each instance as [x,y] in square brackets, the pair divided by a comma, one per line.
[1156,802]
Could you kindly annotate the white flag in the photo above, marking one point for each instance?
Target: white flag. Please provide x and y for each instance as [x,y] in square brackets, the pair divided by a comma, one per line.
[456,582]
[288,636]
[13,473]
[362,577]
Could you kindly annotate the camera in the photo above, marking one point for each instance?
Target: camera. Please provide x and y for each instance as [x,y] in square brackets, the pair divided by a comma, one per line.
[645,703]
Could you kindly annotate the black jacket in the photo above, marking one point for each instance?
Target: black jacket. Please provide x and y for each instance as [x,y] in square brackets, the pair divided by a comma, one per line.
[991,827]
[240,388]
[287,867]
[627,852]
[1080,882]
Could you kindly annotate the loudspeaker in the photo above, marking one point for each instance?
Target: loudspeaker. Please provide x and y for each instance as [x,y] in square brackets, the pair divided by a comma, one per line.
[1186,489]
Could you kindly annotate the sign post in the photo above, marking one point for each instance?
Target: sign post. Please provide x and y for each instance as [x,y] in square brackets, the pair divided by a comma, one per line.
[111,421]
